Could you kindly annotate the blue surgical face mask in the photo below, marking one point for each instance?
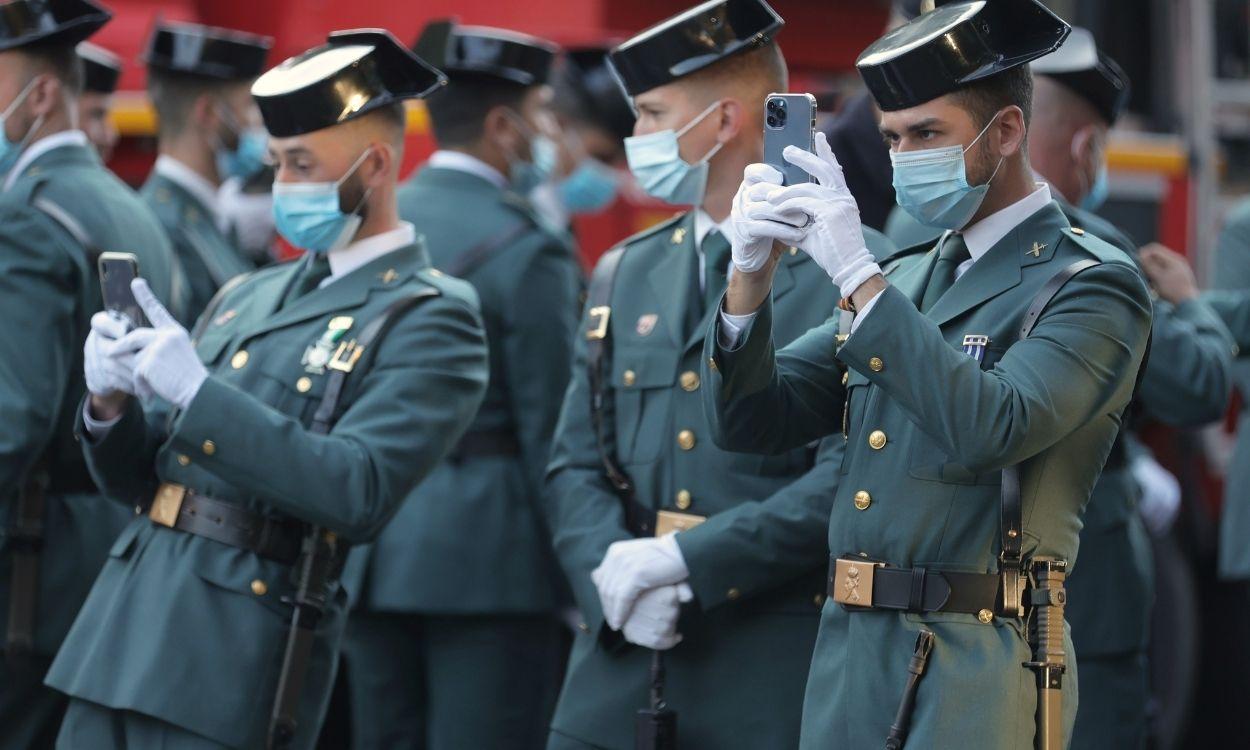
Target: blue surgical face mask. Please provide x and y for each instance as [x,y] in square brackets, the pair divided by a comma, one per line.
[932,185]
[525,175]
[1098,191]
[655,159]
[590,187]
[10,151]
[307,214]
[248,156]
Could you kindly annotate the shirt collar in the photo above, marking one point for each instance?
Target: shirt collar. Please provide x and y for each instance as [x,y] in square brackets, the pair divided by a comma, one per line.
[189,180]
[362,253]
[987,232]
[462,162]
[41,147]
[703,226]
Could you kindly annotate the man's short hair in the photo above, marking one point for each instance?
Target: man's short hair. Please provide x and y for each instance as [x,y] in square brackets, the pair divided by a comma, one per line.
[61,60]
[458,110]
[986,97]
[757,73]
[173,96]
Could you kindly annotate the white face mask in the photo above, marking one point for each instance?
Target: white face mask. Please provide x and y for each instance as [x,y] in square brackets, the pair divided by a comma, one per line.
[655,159]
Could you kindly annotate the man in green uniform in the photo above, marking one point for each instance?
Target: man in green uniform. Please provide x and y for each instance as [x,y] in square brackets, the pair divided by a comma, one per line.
[101,70]
[58,210]
[633,461]
[963,469]
[1078,94]
[314,396]
[198,80]
[458,601]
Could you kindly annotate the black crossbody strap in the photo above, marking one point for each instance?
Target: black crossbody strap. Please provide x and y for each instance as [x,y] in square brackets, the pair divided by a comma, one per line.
[72,227]
[640,520]
[473,258]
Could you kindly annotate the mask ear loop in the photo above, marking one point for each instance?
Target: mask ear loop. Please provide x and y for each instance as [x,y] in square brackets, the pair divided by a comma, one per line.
[700,118]
[34,126]
[1001,159]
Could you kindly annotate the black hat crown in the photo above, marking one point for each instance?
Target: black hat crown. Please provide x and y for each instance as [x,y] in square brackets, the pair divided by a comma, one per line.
[101,68]
[207,51]
[1079,65]
[498,53]
[28,22]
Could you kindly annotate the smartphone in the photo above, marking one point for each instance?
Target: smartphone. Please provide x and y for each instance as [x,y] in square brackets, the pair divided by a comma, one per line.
[117,270]
[789,120]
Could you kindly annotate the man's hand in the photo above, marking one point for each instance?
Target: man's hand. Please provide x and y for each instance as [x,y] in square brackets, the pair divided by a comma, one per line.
[834,235]
[653,623]
[757,227]
[166,363]
[632,567]
[1169,272]
[109,368]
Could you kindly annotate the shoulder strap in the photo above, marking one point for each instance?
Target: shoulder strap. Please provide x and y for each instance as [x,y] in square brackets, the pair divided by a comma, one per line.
[1011,514]
[70,224]
[639,520]
[476,256]
[374,331]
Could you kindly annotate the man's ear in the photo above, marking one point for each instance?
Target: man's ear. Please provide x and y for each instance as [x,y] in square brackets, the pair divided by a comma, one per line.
[376,169]
[498,128]
[733,117]
[1011,131]
[45,95]
[204,113]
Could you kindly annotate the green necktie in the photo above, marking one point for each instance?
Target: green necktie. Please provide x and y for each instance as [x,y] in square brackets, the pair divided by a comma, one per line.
[716,253]
[952,253]
[316,269]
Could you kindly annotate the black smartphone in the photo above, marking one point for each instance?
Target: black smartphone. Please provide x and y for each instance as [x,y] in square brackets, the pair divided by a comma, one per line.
[789,120]
[117,270]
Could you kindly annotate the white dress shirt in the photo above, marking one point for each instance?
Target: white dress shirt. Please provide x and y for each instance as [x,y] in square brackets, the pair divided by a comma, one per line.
[189,180]
[462,162]
[41,147]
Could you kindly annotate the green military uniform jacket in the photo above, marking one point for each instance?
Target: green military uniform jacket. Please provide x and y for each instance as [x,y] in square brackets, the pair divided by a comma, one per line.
[488,550]
[208,257]
[928,429]
[192,631]
[49,289]
[1231,301]
[756,565]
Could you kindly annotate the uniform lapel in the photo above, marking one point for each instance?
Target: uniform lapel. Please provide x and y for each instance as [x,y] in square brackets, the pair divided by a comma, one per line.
[999,269]
[914,277]
[670,279]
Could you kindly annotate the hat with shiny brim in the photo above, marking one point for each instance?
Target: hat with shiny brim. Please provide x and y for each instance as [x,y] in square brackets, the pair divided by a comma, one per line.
[354,73]
[499,53]
[29,22]
[1079,65]
[101,68]
[691,41]
[207,51]
[955,45]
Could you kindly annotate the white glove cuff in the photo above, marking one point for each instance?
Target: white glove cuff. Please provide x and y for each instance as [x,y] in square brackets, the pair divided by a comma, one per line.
[851,277]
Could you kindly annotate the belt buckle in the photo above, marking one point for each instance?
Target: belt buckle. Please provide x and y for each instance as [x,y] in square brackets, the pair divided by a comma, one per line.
[852,582]
[167,504]
[600,330]
[667,520]
[346,357]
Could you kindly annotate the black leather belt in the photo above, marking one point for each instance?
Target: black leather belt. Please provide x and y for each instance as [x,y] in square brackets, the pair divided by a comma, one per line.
[477,444]
[860,583]
[177,507]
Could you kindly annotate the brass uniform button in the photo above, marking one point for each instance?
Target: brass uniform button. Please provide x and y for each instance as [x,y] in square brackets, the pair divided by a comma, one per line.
[711,363]
[683,499]
[985,616]
[583,627]
[184,459]
[862,500]
[819,600]
[303,385]
[209,447]
[1078,231]
[629,377]
[685,440]
[239,359]
[259,587]
[733,594]
[690,381]
[877,440]
[876,365]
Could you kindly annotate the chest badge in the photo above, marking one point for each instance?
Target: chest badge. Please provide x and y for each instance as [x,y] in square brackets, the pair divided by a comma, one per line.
[1038,247]
[646,324]
[975,345]
[319,353]
[679,235]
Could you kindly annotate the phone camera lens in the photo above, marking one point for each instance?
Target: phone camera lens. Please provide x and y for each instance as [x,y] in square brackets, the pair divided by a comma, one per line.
[772,121]
[781,103]
[772,104]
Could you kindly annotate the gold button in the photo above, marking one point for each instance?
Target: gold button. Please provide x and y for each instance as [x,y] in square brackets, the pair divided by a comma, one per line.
[819,600]
[876,365]
[259,587]
[985,616]
[303,385]
[733,594]
[877,440]
[629,377]
[683,499]
[862,500]
[846,376]
[184,460]
[209,447]
[690,381]
[1078,231]
[685,440]
[239,359]
[583,627]
[711,363]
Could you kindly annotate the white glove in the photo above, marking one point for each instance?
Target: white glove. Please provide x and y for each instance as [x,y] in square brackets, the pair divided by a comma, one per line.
[1160,494]
[630,568]
[108,367]
[835,236]
[166,364]
[653,623]
[752,240]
